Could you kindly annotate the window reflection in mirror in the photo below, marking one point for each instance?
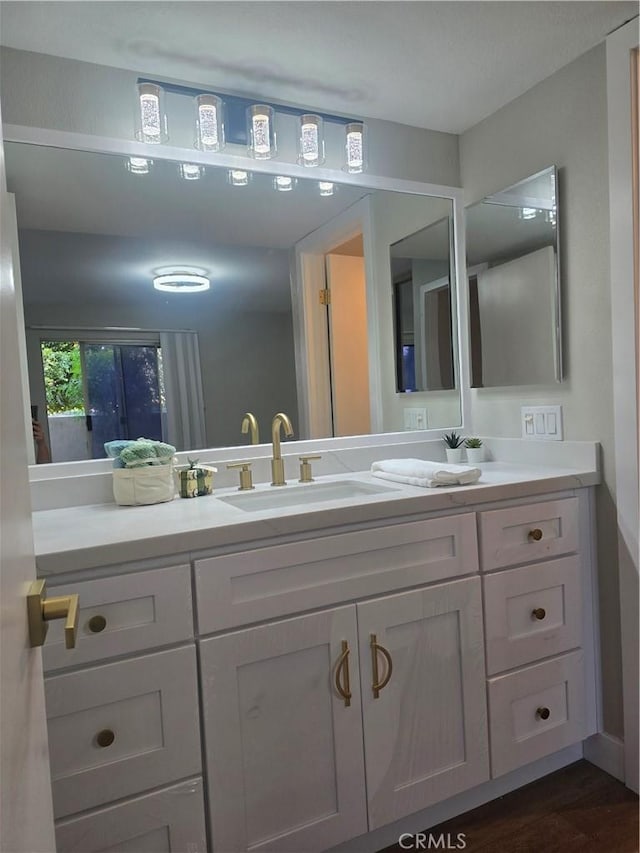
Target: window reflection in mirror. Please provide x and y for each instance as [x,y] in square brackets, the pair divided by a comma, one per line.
[421,266]
[514,284]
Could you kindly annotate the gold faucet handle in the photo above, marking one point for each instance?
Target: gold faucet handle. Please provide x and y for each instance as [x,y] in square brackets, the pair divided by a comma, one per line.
[246,481]
[305,468]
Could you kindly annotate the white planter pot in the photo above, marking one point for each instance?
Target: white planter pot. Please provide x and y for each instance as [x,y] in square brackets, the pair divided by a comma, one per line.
[475,454]
[454,454]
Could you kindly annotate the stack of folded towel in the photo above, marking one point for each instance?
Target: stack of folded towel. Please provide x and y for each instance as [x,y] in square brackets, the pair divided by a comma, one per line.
[142,452]
[428,475]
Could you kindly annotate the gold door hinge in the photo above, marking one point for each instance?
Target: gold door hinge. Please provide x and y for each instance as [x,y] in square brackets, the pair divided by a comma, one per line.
[325,296]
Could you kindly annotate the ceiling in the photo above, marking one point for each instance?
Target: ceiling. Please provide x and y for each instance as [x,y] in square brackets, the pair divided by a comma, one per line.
[438,65]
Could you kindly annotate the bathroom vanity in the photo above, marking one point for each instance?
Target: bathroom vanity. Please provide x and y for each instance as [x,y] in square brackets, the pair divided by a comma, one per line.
[290,678]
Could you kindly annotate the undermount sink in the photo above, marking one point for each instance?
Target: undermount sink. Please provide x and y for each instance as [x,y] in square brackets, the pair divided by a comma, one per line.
[301,495]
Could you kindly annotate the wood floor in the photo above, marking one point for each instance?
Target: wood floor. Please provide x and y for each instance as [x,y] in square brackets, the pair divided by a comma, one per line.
[579,809]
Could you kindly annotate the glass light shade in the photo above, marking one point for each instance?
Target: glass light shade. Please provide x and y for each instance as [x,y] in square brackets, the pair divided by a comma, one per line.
[151,117]
[355,147]
[181,279]
[139,165]
[326,188]
[261,132]
[209,119]
[191,171]
[311,141]
[283,183]
[239,178]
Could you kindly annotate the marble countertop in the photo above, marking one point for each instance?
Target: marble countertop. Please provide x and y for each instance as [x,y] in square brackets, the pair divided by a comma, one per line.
[84,537]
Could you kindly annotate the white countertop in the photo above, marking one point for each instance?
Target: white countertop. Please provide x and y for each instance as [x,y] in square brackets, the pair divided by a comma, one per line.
[83,537]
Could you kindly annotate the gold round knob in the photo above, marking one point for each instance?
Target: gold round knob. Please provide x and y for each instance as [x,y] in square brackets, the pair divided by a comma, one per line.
[543,713]
[105,738]
[539,613]
[97,624]
[535,534]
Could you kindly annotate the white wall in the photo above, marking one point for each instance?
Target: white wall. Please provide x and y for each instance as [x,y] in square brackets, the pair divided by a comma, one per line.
[563,120]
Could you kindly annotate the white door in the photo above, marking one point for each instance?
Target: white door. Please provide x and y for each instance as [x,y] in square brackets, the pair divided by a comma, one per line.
[283,746]
[26,816]
[425,728]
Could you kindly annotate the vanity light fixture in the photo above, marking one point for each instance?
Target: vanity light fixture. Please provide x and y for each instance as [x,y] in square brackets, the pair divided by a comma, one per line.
[355,147]
[326,188]
[261,132]
[283,183]
[151,118]
[191,171]
[181,279]
[139,165]
[209,123]
[239,178]
[311,140]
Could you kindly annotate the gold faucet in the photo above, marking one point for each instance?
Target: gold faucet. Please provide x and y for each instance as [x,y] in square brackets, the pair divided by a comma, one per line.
[277,465]
[249,421]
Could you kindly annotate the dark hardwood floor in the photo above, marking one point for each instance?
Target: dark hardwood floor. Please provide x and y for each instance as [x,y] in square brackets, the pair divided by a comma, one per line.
[579,809]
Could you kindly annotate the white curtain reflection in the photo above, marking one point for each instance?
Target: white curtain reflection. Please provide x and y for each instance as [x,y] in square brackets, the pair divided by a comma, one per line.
[183,390]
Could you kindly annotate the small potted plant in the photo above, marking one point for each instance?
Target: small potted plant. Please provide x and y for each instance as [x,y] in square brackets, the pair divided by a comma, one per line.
[475,450]
[454,443]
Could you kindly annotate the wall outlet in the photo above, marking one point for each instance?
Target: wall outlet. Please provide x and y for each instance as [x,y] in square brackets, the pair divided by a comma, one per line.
[415,419]
[542,422]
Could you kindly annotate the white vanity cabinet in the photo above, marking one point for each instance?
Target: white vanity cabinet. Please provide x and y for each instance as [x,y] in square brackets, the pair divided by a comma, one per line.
[123,720]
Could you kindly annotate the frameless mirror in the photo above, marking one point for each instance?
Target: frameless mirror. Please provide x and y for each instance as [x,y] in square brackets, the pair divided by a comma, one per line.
[514,284]
[183,366]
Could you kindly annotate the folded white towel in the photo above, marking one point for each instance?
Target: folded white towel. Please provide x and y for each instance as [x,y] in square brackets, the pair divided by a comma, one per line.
[428,475]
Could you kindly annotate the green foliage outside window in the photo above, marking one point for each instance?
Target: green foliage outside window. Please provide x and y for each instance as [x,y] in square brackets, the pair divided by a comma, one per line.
[63,377]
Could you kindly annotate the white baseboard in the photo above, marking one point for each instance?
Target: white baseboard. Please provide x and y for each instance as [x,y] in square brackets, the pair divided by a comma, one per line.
[607,753]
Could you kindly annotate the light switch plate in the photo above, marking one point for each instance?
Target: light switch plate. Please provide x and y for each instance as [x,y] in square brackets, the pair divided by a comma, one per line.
[541,422]
[415,418]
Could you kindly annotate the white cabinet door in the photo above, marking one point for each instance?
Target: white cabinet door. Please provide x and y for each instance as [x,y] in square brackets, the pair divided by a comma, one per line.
[426,730]
[283,748]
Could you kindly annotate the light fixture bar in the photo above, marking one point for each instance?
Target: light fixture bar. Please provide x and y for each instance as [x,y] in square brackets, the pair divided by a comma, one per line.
[235,126]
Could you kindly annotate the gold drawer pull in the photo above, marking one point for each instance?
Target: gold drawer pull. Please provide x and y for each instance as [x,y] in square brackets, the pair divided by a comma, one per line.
[105,738]
[543,713]
[342,669]
[535,534]
[378,685]
[97,623]
[539,613]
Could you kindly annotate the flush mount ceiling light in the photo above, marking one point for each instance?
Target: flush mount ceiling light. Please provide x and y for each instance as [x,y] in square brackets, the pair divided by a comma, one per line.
[181,279]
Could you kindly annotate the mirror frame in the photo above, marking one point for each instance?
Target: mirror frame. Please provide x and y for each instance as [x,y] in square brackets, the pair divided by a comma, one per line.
[307,319]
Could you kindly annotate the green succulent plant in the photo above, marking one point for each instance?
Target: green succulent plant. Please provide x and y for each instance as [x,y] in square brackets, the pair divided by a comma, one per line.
[473,443]
[453,440]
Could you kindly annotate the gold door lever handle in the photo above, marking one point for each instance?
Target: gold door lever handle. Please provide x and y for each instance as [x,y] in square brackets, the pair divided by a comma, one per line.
[41,610]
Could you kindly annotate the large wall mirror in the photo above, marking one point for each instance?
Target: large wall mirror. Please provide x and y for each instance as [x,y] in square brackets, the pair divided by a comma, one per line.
[111,356]
[514,284]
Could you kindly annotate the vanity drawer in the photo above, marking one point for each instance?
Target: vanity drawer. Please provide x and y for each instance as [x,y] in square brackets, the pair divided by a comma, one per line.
[251,586]
[167,821]
[536,711]
[118,729]
[532,612]
[522,534]
[122,615]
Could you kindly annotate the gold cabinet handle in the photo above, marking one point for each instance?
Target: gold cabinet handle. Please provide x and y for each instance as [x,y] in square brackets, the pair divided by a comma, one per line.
[543,713]
[378,685]
[538,613]
[41,610]
[105,738]
[535,535]
[342,669]
[97,623]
